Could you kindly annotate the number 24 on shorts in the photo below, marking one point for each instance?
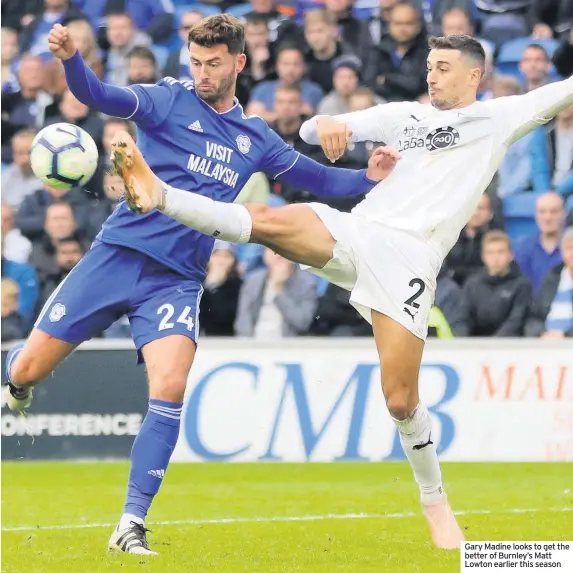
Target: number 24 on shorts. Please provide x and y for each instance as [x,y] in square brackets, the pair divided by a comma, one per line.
[168,310]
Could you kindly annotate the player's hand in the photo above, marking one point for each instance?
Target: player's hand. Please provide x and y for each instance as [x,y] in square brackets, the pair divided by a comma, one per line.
[60,42]
[382,163]
[333,137]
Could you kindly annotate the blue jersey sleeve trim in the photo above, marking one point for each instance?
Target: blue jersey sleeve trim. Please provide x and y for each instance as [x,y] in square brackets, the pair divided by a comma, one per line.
[136,104]
[288,168]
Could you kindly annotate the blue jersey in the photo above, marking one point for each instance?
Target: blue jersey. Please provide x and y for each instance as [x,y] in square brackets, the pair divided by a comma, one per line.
[191,146]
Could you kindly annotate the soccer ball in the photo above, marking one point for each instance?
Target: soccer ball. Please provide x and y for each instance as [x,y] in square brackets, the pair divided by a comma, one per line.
[63,156]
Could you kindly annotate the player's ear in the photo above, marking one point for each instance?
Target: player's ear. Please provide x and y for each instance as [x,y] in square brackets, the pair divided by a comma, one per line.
[240,62]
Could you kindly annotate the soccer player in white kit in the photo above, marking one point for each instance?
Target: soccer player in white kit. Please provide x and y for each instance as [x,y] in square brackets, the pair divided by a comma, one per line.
[388,251]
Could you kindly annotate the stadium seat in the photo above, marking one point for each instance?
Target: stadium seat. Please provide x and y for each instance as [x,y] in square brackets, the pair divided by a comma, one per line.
[519,214]
[161,54]
[240,10]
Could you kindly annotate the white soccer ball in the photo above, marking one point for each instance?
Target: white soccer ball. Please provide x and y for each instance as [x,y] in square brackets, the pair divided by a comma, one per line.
[63,156]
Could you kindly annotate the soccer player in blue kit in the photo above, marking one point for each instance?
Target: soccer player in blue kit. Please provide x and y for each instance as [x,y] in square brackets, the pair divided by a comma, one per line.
[195,136]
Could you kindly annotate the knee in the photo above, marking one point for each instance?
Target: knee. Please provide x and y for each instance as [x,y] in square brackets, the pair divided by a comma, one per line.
[267,221]
[168,386]
[401,398]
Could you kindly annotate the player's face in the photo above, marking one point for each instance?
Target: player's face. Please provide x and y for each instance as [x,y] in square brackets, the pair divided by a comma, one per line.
[214,71]
[497,257]
[451,79]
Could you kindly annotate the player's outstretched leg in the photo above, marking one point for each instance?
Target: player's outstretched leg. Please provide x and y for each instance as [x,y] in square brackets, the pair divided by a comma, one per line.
[30,362]
[400,358]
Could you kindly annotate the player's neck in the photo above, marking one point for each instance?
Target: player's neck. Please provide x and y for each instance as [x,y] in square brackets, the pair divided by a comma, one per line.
[224,104]
[465,102]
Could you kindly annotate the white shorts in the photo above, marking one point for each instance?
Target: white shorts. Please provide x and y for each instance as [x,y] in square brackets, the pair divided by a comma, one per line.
[387,270]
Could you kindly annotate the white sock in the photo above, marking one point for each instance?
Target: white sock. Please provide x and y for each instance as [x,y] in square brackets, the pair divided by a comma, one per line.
[227,221]
[126,520]
[415,431]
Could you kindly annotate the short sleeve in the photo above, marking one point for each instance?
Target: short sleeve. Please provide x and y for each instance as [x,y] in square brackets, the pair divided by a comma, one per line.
[154,103]
[279,157]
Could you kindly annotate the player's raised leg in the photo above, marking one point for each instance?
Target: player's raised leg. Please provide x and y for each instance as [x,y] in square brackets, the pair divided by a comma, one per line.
[400,354]
[30,362]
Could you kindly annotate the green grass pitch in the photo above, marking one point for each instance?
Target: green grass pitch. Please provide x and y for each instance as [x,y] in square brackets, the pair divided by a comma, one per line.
[345,517]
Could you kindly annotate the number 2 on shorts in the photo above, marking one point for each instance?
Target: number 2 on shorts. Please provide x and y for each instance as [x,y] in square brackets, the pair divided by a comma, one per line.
[421,287]
[169,311]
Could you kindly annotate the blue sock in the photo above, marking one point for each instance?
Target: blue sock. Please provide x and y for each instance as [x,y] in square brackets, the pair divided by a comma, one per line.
[150,455]
[12,353]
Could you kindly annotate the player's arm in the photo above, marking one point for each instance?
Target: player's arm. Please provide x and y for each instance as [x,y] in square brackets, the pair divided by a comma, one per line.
[136,103]
[334,132]
[284,163]
[516,116]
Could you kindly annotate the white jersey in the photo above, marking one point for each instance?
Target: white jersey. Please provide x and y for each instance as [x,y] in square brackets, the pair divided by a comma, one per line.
[448,157]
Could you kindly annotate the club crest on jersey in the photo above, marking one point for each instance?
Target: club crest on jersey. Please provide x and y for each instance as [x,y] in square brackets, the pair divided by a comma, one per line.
[442,138]
[244,143]
[58,312]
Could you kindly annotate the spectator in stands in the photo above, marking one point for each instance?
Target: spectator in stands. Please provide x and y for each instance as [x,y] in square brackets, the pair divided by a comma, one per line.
[17,14]
[456,21]
[55,83]
[28,107]
[153,17]
[501,21]
[551,154]
[67,254]
[16,247]
[122,37]
[397,66]
[514,174]
[563,56]
[221,295]
[448,303]
[31,216]
[25,277]
[110,127]
[345,79]
[106,202]
[34,37]
[281,28]
[177,65]
[551,313]
[353,32]
[13,325]
[9,55]
[18,179]
[535,65]
[321,34]
[378,26]
[60,224]
[277,301]
[465,257]
[495,301]
[260,59]
[335,316]
[72,110]
[538,253]
[85,41]
[290,70]
[141,66]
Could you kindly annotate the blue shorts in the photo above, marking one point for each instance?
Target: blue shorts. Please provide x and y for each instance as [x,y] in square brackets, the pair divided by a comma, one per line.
[112,281]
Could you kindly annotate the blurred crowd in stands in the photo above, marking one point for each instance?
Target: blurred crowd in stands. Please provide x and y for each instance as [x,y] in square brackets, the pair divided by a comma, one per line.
[511,272]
